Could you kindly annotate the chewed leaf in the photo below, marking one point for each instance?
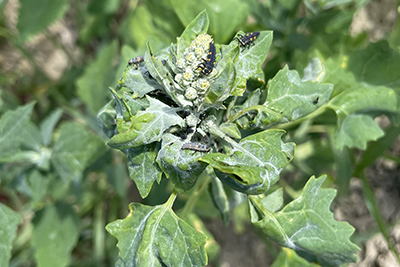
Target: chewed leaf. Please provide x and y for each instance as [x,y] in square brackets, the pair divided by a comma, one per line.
[355,129]
[289,98]
[181,166]
[254,164]
[143,168]
[155,236]
[147,126]
[307,225]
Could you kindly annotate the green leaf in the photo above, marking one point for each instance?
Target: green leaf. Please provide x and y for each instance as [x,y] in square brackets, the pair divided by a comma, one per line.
[220,89]
[288,257]
[254,164]
[116,176]
[355,130]
[160,73]
[48,124]
[165,18]
[225,15]
[377,64]
[103,6]
[75,149]
[138,81]
[92,85]
[220,198]
[375,149]
[147,126]
[45,13]
[314,71]
[3,3]
[198,26]
[338,74]
[9,221]
[106,119]
[212,247]
[33,138]
[307,226]
[38,185]
[274,201]
[344,169]
[237,112]
[231,130]
[181,166]
[12,127]
[249,63]
[143,169]
[55,233]
[290,99]
[155,236]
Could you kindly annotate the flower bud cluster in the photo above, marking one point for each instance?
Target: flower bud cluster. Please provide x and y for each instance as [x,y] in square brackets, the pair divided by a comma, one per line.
[195,85]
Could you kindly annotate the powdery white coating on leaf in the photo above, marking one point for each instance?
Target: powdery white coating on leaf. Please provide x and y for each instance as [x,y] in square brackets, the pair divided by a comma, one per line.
[151,124]
[181,166]
[291,99]
[255,162]
[307,225]
[155,236]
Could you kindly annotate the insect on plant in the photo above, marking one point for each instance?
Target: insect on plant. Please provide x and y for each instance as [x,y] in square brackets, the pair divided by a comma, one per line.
[247,40]
[208,64]
[195,147]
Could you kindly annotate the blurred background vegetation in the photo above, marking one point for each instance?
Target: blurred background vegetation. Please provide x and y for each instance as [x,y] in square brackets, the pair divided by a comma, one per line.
[64,54]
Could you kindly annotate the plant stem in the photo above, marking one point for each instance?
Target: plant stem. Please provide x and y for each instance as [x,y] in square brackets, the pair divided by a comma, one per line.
[171,199]
[201,184]
[288,189]
[99,234]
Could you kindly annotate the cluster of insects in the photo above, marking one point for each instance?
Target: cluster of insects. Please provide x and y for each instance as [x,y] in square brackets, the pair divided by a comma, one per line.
[207,66]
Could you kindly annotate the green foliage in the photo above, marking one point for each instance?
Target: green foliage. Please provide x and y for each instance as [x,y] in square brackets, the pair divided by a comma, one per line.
[97,75]
[307,225]
[9,223]
[55,234]
[220,146]
[75,149]
[11,131]
[156,236]
[36,16]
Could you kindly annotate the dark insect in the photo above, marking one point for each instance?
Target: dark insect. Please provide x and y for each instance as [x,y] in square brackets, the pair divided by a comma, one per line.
[247,40]
[208,64]
[316,100]
[196,147]
[136,60]
[139,59]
